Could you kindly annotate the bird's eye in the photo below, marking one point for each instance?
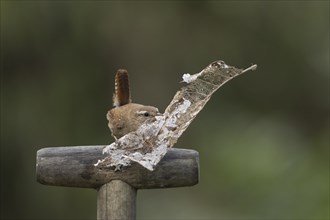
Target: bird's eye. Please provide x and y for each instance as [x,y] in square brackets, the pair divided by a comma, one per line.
[146,114]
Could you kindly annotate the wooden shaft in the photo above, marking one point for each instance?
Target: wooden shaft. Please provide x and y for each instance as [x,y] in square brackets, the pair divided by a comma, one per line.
[116,200]
[74,167]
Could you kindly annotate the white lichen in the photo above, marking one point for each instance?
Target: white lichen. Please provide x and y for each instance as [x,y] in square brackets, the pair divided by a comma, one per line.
[188,78]
[171,121]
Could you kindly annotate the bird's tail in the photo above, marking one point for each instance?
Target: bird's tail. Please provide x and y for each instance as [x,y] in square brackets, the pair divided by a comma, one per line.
[122,94]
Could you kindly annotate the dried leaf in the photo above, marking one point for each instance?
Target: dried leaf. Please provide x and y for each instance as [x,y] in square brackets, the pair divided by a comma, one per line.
[148,145]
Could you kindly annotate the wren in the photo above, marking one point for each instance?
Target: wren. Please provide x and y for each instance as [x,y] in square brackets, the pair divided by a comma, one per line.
[126,116]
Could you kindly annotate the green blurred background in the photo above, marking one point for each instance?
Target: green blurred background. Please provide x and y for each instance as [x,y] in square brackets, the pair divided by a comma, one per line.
[263,138]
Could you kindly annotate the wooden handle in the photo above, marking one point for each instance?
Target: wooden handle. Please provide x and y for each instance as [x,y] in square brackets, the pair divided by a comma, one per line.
[74,167]
[116,200]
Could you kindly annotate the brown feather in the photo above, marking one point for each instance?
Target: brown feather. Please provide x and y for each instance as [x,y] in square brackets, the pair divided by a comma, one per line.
[122,94]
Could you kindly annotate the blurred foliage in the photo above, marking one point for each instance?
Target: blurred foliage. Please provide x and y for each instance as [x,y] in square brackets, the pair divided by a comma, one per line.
[263,138]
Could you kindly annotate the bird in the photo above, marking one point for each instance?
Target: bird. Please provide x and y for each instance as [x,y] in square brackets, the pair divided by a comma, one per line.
[126,116]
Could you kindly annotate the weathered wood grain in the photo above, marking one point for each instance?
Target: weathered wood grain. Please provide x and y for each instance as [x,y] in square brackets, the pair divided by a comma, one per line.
[74,167]
[116,200]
